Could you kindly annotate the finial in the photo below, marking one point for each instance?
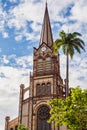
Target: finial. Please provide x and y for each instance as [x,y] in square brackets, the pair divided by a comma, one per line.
[46,2]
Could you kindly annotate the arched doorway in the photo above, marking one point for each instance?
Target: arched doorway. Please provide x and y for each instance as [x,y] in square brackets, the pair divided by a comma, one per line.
[42,117]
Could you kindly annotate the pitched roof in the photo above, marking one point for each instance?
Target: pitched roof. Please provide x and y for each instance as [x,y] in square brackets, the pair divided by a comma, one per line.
[46,33]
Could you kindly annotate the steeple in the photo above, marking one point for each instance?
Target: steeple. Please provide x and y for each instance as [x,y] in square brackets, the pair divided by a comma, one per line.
[46,33]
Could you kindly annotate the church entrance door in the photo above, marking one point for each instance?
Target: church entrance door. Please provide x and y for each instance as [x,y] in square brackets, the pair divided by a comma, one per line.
[43,115]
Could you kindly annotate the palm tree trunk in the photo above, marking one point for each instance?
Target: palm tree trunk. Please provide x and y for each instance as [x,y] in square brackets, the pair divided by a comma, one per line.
[67,74]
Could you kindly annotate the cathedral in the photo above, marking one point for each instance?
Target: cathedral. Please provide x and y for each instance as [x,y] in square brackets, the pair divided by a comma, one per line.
[45,83]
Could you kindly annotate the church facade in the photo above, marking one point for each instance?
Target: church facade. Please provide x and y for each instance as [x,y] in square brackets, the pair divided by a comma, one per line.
[45,83]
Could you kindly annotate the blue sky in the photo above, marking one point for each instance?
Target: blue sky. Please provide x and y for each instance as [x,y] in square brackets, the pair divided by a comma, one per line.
[20,29]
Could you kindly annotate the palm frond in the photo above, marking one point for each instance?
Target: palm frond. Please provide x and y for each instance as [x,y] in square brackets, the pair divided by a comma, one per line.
[71,50]
[64,48]
[62,34]
[79,40]
[76,34]
[77,48]
[80,45]
[56,45]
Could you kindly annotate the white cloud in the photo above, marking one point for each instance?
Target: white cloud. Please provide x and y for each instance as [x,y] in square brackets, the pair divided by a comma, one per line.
[12,74]
[23,13]
[79,10]
[13,1]
[4,59]
[18,38]
[20,62]
[5,35]
[35,27]
[3,17]
[9,91]
[10,80]
[25,61]
[32,36]
[77,70]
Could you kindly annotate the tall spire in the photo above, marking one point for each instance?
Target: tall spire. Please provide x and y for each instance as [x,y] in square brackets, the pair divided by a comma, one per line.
[46,34]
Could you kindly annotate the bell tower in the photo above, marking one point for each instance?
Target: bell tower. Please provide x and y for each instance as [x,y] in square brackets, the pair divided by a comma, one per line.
[46,77]
[46,66]
[45,83]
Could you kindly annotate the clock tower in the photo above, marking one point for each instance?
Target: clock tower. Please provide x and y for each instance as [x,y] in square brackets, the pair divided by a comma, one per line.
[45,83]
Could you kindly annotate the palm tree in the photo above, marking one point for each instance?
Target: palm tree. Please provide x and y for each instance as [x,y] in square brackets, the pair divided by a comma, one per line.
[70,42]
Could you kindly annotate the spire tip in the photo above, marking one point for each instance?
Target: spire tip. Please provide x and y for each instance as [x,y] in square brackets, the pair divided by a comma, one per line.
[46,2]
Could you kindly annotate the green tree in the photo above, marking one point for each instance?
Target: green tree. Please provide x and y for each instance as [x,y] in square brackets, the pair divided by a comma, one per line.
[22,127]
[72,111]
[70,42]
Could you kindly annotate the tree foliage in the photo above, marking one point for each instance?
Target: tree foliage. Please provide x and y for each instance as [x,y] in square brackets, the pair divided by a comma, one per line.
[22,127]
[72,111]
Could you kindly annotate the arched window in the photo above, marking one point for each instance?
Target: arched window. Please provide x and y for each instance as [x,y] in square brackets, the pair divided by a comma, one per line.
[48,64]
[40,65]
[38,90]
[43,89]
[48,88]
[42,116]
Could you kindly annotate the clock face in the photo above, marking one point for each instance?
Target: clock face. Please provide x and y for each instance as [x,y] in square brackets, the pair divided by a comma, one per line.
[43,48]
